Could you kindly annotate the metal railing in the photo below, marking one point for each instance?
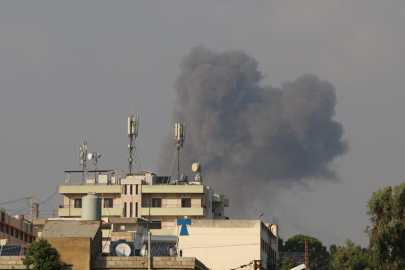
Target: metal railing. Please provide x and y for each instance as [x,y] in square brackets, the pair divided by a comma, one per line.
[173,205]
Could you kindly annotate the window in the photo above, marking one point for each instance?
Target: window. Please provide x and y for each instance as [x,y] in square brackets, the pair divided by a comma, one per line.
[68,267]
[16,234]
[125,189]
[130,209]
[159,222]
[125,209]
[108,203]
[136,208]
[185,202]
[136,189]
[156,202]
[78,203]
[130,189]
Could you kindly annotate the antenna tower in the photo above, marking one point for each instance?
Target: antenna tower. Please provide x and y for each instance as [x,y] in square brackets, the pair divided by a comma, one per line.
[133,125]
[179,138]
[82,157]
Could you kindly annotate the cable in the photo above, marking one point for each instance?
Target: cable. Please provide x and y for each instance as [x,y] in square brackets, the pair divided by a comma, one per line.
[15,201]
[137,157]
[152,160]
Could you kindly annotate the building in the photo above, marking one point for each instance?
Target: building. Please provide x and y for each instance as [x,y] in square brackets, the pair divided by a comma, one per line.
[16,231]
[76,241]
[228,244]
[144,195]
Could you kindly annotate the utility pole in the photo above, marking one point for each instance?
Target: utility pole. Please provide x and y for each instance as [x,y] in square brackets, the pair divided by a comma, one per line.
[32,209]
[306,254]
[36,210]
[149,249]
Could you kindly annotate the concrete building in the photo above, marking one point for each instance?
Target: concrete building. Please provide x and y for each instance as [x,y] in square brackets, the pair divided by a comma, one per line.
[76,241]
[227,244]
[15,231]
[144,195]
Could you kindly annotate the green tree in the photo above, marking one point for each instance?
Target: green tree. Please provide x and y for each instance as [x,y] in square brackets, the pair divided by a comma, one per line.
[42,256]
[318,254]
[351,257]
[287,264]
[386,209]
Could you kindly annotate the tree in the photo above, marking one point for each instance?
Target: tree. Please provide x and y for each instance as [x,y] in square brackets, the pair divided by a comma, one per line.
[351,257]
[386,209]
[318,255]
[42,256]
[287,264]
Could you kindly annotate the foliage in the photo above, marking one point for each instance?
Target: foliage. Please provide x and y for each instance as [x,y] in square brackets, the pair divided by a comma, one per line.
[42,256]
[386,209]
[351,257]
[318,255]
[287,264]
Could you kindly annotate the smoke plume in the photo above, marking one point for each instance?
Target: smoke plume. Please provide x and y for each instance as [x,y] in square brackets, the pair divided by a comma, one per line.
[246,135]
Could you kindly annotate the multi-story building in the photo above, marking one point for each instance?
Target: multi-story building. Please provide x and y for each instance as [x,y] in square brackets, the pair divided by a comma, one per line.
[144,195]
[15,231]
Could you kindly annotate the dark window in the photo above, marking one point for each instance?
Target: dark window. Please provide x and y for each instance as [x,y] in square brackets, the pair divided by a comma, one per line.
[130,209]
[130,189]
[158,222]
[185,202]
[136,189]
[125,189]
[78,203]
[108,203]
[136,209]
[16,234]
[125,209]
[157,202]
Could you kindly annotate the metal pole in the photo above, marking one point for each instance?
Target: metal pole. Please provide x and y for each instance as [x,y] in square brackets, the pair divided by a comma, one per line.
[178,164]
[53,213]
[149,249]
[32,209]
[306,254]
[36,210]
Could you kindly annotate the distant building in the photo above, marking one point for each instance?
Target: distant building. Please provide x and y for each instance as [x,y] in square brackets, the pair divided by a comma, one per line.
[15,231]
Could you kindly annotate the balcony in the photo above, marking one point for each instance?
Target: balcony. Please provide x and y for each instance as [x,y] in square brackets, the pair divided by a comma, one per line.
[174,189]
[174,210]
[85,189]
[77,212]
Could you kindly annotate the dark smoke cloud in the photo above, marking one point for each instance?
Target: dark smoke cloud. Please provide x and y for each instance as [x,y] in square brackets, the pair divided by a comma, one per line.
[250,135]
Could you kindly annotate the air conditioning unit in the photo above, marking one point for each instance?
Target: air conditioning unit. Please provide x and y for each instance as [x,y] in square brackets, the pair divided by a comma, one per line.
[102,179]
[90,180]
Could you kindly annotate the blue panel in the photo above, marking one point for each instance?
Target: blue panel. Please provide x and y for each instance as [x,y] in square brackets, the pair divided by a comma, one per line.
[10,250]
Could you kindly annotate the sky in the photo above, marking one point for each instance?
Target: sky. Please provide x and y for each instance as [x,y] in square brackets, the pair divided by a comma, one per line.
[72,71]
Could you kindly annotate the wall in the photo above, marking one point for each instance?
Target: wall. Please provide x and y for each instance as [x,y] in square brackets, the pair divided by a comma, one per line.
[222,244]
[8,262]
[73,250]
[9,233]
[158,263]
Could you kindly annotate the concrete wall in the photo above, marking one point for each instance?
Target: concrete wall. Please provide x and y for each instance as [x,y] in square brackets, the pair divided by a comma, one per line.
[8,262]
[73,251]
[223,244]
[158,263]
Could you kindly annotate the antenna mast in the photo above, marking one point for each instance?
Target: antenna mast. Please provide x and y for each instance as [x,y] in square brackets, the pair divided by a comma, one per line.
[179,138]
[133,125]
[82,157]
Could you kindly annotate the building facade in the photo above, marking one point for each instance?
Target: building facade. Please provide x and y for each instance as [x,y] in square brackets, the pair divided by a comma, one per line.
[15,231]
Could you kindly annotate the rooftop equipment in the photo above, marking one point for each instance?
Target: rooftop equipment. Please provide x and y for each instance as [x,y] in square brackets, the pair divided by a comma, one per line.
[196,167]
[82,157]
[91,207]
[133,126]
[179,138]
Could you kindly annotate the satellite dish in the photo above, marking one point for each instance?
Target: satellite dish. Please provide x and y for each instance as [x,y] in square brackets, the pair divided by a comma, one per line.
[122,228]
[89,156]
[123,250]
[16,216]
[196,167]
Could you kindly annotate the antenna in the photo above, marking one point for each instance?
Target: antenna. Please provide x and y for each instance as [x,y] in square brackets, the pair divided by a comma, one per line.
[179,138]
[133,125]
[82,157]
[94,156]
[196,167]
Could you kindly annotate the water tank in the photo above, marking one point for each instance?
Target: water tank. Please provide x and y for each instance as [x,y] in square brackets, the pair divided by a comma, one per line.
[91,207]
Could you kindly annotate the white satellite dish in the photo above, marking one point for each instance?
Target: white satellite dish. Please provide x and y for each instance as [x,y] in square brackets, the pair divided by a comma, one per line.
[196,167]
[122,228]
[123,250]
[89,156]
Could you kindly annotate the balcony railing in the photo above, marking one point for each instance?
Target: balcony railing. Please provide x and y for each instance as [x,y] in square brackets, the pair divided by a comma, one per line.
[173,205]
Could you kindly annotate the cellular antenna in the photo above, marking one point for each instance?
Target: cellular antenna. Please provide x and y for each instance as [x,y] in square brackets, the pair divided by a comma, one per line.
[133,125]
[179,138]
[82,157]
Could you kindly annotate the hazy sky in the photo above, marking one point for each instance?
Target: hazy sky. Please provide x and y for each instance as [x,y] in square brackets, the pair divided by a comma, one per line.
[71,71]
